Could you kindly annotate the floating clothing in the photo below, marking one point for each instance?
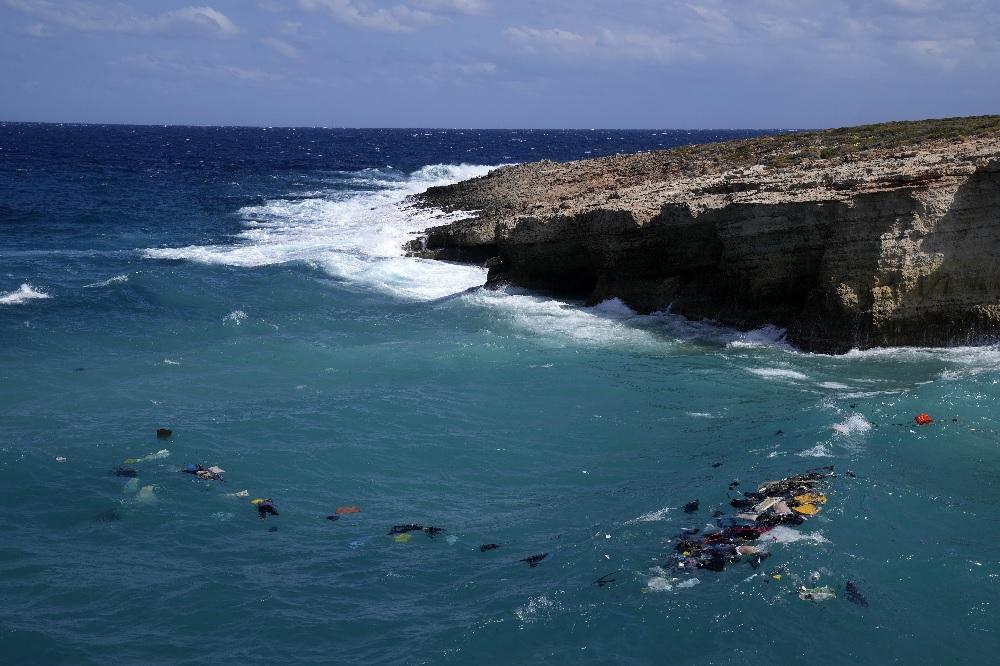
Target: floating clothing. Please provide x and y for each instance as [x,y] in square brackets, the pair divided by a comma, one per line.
[213,473]
[264,507]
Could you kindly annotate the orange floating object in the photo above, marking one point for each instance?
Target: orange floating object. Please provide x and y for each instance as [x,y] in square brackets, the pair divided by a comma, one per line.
[341,510]
[923,419]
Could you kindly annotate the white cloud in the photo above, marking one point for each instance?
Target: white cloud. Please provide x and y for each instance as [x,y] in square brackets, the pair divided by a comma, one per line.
[478,68]
[547,38]
[472,7]
[38,30]
[87,17]
[604,43]
[280,47]
[177,64]
[398,18]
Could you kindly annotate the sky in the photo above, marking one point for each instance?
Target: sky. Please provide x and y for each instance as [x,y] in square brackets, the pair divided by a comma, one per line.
[499,63]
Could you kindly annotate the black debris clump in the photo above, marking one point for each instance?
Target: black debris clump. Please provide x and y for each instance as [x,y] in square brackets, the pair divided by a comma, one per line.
[403,529]
[854,595]
[606,579]
[488,546]
[533,560]
[691,506]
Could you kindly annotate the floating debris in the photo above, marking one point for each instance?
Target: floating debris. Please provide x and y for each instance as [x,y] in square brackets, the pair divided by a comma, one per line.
[606,579]
[533,560]
[145,494]
[344,510]
[691,506]
[333,517]
[164,433]
[126,471]
[488,547]
[774,503]
[213,473]
[854,595]
[264,507]
[403,529]
[923,419]
[823,593]
[402,538]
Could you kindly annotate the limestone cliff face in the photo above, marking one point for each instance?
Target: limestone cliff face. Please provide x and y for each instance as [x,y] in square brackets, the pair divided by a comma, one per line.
[872,247]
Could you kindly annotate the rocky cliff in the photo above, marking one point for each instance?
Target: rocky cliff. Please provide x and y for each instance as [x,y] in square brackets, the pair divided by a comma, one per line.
[851,238]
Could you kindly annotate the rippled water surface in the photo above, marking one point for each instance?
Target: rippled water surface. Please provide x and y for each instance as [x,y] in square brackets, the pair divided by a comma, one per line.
[245,288]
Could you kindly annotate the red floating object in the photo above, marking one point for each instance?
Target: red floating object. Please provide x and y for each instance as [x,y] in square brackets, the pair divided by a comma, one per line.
[341,510]
[923,419]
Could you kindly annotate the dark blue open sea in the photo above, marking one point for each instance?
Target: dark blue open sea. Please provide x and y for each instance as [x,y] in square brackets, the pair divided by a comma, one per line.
[245,288]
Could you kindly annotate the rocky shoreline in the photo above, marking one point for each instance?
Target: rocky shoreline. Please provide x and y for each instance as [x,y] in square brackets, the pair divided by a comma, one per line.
[883,235]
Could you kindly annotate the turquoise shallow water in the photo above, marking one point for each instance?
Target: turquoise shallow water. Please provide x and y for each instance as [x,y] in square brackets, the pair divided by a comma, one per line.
[261,310]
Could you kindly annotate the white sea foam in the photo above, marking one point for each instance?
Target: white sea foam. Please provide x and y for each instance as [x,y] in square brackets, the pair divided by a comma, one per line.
[853,424]
[766,336]
[357,237]
[818,451]
[778,373]
[22,295]
[236,317]
[651,516]
[663,583]
[530,611]
[118,279]
[836,386]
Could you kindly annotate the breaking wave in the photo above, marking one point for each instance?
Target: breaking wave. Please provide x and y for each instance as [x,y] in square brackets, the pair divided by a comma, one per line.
[22,295]
[355,235]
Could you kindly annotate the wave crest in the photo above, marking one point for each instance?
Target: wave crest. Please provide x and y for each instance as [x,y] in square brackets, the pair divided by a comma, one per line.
[22,295]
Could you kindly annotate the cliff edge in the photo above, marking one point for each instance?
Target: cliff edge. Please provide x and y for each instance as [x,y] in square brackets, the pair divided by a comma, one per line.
[880,235]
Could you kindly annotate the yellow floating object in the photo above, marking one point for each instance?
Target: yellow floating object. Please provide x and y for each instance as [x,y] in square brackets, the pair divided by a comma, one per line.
[402,538]
[776,576]
[806,509]
[811,498]
[257,500]
[686,553]
[131,461]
